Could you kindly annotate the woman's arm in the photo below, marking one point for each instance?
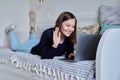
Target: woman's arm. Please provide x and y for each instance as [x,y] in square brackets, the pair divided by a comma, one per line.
[70,50]
[47,49]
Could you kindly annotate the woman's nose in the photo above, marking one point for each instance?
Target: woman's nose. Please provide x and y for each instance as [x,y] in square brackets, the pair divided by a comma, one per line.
[71,28]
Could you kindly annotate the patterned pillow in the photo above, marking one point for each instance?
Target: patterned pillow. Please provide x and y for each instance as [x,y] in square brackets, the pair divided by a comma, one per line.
[92,29]
[109,15]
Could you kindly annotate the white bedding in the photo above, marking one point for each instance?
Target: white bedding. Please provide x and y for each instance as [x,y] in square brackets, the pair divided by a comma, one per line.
[53,68]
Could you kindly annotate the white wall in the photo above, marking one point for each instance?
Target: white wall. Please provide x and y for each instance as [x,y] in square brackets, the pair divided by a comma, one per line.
[16,12]
[86,11]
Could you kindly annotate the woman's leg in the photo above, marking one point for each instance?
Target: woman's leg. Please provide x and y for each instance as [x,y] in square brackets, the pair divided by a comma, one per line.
[28,45]
[33,41]
[14,42]
[25,47]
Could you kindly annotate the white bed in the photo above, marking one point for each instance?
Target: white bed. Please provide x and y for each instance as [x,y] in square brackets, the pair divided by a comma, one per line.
[21,66]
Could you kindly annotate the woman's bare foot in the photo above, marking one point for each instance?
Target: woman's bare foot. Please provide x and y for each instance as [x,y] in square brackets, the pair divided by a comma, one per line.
[32,30]
[32,17]
[10,28]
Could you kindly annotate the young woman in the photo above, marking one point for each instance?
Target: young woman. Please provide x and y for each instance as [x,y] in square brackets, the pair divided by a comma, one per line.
[55,41]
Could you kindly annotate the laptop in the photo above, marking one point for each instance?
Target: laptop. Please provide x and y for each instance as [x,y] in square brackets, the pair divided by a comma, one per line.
[86,47]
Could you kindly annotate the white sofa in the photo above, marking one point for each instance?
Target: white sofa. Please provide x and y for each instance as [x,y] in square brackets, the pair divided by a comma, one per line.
[108,56]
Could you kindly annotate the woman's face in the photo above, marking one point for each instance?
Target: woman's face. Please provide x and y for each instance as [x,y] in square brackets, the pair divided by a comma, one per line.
[68,27]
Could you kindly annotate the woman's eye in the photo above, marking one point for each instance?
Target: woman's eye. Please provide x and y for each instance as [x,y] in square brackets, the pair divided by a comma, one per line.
[68,25]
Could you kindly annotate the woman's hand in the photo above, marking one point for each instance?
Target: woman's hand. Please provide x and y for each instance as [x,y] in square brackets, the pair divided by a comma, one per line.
[71,56]
[56,37]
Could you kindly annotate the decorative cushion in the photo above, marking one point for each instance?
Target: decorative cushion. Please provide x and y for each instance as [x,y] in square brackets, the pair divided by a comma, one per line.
[86,47]
[107,26]
[92,29]
[109,15]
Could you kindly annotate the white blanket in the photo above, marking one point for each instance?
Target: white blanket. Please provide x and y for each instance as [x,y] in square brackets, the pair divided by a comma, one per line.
[59,70]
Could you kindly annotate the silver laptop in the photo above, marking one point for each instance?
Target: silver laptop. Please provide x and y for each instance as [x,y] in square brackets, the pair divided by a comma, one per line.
[86,47]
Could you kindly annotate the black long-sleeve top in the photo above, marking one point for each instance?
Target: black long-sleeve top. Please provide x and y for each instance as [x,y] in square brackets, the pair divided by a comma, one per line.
[46,51]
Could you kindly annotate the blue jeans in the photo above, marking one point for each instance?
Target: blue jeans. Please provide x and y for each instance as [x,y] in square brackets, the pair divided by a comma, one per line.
[25,47]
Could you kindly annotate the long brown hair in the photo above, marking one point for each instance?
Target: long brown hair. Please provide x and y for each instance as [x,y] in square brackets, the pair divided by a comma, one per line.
[63,17]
